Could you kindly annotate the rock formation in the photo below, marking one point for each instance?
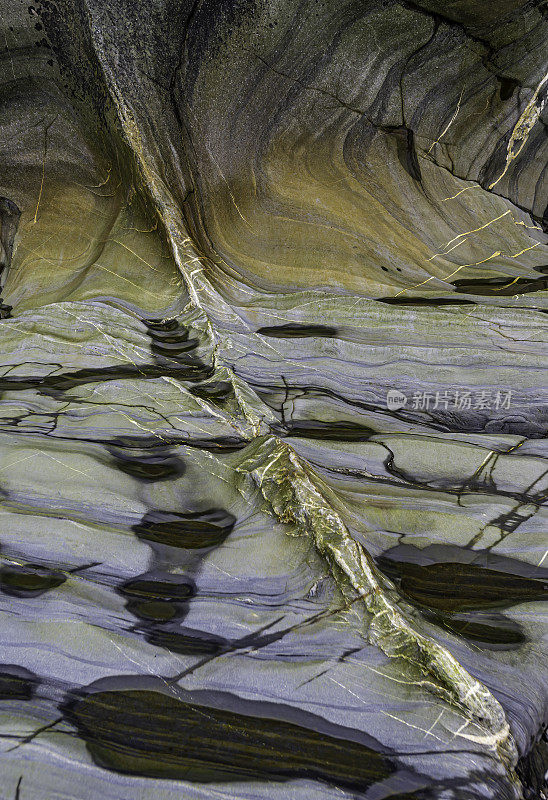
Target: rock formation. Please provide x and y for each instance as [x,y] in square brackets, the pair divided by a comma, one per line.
[273,399]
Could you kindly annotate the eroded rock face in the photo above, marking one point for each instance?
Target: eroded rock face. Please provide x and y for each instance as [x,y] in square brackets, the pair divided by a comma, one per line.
[273,400]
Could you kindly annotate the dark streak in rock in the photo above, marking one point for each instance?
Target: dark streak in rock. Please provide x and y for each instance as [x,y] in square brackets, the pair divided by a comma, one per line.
[297,330]
[30,580]
[458,586]
[504,287]
[148,733]
[407,154]
[424,301]
[153,610]
[339,431]
[147,588]
[494,631]
[55,385]
[186,642]
[194,530]
[156,600]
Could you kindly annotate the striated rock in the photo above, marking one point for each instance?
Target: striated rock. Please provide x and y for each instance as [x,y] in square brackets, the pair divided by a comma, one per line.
[273,400]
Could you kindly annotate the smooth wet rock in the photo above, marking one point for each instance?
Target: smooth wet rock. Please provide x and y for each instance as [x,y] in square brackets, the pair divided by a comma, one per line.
[273,400]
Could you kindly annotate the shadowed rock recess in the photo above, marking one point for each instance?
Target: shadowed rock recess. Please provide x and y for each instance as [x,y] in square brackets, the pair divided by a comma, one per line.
[273,400]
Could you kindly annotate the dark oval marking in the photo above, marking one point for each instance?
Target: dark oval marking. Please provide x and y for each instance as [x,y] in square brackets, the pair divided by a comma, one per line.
[194,530]
[494,631]
[297,330]
[504,287]
[150,468]
[17,683]
[425,301]
[153,610]
[30,580]
[226,443]
[456,586]
[148,733]
[330,431]
[149,589]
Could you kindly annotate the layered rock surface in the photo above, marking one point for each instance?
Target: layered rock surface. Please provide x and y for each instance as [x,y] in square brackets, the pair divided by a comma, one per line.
[230,567]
